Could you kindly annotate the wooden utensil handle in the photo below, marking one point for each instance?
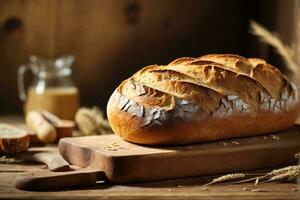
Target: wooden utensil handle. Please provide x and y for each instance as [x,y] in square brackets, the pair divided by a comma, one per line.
[53,160]
[39,181]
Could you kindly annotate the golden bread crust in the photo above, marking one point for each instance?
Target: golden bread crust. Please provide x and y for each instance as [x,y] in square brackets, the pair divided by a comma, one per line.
[209,98]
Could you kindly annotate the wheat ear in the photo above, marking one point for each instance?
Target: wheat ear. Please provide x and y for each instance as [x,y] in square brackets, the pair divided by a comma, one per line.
[228,177]
[274,40]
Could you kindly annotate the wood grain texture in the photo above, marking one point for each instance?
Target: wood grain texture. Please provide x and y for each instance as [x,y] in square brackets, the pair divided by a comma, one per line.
[124,162]
[108,158]
[185,188]
[112,39]
[26,28]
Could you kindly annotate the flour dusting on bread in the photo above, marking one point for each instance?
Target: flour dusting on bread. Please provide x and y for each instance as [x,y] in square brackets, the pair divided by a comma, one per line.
[212,97]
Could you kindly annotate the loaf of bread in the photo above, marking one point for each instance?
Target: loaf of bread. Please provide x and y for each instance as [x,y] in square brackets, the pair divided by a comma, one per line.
[12,139]
[209,98]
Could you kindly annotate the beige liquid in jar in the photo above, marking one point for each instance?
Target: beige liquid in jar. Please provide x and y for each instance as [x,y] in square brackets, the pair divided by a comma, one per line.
[63,101]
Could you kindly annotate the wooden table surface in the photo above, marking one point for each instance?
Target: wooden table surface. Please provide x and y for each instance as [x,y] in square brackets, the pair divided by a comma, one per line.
[186,188]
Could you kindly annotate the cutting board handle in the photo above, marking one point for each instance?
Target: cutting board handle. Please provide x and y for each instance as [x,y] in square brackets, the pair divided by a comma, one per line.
[39,181]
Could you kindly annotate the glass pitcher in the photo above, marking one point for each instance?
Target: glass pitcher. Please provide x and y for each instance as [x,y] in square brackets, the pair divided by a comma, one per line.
[52,88]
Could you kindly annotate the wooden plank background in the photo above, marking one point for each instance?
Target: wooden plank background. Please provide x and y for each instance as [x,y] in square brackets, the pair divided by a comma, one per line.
[113,39]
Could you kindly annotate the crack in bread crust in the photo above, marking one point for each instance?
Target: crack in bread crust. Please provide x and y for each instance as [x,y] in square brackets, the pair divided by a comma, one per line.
[267,75]
[209,85]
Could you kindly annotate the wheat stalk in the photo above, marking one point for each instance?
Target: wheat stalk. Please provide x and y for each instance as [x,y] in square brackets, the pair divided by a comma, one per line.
[91,121]
[276,172]
[289,173]
[228,177]
[256,181]
[274,40]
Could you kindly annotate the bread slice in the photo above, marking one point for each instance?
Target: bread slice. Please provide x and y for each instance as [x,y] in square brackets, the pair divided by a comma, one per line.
[12,139]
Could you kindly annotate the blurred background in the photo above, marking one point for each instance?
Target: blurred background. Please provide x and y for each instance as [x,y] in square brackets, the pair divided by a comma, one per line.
[112,39]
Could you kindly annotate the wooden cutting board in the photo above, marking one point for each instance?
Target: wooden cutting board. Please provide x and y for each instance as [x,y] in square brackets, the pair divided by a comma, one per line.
[126,162]
[112,159]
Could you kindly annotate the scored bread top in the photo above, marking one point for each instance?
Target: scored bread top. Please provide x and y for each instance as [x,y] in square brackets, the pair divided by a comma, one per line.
[215,84]
[259,70]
